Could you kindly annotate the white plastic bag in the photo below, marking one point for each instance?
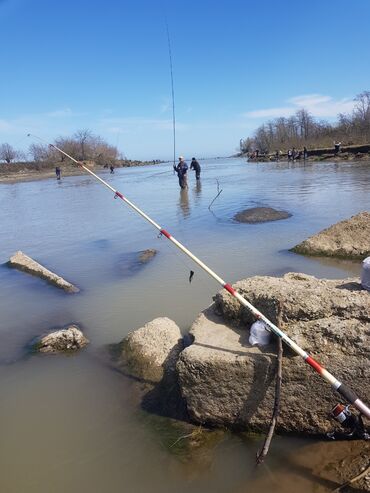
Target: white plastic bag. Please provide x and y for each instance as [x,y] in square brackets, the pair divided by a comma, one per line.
[259,334]
[365,274]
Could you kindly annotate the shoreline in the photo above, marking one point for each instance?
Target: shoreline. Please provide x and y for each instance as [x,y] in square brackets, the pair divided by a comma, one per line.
[30,174]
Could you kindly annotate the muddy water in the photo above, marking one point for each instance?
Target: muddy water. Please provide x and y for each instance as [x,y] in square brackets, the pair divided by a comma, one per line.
[69,423]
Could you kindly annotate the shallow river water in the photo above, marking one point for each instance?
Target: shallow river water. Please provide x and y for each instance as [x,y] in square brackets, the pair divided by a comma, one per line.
[71,423]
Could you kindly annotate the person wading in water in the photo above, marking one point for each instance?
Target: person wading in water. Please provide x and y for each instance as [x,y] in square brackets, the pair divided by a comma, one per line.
[181,170]
[196,167]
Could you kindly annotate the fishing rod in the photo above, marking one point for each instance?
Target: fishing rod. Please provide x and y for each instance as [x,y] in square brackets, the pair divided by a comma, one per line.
[348,394]
[173,96]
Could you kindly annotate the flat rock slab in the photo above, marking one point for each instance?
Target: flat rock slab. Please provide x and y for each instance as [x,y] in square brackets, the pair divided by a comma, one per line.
[131,263]
[226,382]
[260,215]
[347,239]
[68,339]
[25,263]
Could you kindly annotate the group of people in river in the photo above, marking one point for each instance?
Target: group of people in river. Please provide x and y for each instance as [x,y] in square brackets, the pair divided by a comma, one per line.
[182,171]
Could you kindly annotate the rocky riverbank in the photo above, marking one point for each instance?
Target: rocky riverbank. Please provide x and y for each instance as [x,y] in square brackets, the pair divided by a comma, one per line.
[223,381]
[346,153]
[347,239]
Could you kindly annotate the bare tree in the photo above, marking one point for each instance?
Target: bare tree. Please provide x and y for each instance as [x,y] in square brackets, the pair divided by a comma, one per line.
[40,152]
[7,153]
[83,138]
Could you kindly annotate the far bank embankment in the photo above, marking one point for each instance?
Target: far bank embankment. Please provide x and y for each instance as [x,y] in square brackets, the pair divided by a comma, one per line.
[14,172]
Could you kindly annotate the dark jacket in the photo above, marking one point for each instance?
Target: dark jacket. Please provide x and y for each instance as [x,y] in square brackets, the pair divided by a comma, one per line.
[195,165]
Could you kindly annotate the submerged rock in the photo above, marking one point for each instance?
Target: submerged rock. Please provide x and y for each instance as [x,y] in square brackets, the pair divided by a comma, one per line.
[147,255]
[69,339]
[347,239]
[260,215]
[25,263]
[130,263]
[226,382]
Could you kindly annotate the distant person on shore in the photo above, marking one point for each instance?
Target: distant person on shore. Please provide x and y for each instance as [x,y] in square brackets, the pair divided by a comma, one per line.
[277,155]
[305,153]
[181,170]
[196,167]
[58,172]
[290,154]
[111,169]
[337,147]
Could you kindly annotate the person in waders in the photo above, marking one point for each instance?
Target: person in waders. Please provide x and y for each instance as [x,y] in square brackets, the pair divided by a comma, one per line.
[196,167]
[181,170]
[58,172]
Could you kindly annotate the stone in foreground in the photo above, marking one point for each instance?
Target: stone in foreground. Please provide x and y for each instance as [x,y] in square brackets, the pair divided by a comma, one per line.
[226,382]
[347,239]
[25,263]
[152,351]
[69,339]
[260,215]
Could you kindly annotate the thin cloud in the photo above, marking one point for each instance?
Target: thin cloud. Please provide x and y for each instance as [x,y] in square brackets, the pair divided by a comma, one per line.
[317,104]
[60,113]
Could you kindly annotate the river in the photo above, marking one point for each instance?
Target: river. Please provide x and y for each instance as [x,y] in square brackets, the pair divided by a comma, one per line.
[70,423]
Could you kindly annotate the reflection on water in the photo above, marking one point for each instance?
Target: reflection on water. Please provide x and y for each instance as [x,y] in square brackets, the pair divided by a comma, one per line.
[71,422]
[184,202]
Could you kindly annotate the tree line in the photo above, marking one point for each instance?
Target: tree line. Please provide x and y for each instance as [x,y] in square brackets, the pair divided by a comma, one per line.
[302,129]
[83,146]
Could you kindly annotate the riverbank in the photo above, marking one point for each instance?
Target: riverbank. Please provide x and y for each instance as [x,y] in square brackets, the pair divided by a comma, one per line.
[346,153]
[12,173]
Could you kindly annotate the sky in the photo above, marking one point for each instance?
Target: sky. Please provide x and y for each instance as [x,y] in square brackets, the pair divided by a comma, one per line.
[104,66]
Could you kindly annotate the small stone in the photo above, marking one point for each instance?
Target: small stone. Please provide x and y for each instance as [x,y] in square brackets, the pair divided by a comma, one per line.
[69,339]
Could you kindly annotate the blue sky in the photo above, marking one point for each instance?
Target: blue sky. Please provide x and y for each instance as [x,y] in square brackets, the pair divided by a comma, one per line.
[105,66]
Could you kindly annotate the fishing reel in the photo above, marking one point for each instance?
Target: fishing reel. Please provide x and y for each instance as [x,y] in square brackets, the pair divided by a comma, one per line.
[354,428]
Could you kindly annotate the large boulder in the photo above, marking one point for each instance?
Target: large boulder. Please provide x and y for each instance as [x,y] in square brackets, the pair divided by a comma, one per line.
[346,239]
[227,382]
[149,355]
[68,339]
[25,263]
[151,351]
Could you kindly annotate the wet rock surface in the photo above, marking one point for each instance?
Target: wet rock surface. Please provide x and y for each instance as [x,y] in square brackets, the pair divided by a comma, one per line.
[347,239]
[68,339]
[260,215]
[25,263]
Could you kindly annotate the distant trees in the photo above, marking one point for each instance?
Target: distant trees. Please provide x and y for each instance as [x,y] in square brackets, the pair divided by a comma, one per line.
[302,129]
[83,146]
[9,154]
